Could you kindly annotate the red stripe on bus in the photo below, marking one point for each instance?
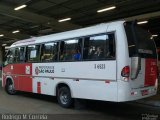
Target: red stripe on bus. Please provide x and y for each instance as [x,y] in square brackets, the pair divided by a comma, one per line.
[39,87]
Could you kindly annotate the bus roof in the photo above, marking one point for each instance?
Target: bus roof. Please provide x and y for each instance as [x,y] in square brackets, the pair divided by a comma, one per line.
[99,28]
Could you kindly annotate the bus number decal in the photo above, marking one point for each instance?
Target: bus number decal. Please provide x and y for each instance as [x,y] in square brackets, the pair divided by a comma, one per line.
[99,66]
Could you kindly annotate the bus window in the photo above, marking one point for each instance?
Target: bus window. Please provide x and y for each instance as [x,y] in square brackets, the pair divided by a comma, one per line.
[70,50]
[139,42]
[10,57]
[49,52]
[33,53]
[19,55]
[99,47]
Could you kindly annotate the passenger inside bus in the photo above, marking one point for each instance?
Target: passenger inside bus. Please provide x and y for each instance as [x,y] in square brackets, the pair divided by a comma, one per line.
[98,53]
[91,52]
[77,55]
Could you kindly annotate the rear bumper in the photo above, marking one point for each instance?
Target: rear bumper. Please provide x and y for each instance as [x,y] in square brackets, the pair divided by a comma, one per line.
[126,93]
[140,93]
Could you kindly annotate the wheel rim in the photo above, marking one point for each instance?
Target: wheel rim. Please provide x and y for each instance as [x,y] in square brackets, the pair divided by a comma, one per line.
[64,97]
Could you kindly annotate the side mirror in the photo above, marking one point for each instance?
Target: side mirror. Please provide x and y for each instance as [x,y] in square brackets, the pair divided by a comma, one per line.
[135,67]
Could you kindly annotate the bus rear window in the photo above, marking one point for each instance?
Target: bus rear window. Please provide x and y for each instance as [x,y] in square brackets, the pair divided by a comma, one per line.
[139,42]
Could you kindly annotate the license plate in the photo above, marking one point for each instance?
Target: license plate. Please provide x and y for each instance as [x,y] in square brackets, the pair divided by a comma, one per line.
[144,92]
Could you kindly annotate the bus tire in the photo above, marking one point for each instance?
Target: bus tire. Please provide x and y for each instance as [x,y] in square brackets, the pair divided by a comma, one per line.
[64,97]
[10,88]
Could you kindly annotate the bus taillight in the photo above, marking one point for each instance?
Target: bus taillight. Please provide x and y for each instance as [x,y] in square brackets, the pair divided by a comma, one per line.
[125,73]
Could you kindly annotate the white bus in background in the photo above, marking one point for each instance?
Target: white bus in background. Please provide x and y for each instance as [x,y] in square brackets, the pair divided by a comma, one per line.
[114,61]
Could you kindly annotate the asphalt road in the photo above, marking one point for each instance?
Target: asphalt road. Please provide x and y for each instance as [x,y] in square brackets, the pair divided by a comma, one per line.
[27,103]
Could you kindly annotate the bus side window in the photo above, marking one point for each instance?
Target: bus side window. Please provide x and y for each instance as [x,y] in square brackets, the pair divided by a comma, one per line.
[99,47]
[19,55]
[10,57]
[70,50]
[33,53]
[49,52]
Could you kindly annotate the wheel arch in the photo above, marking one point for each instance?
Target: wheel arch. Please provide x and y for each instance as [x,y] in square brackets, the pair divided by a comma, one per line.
[61,84]
[9,78]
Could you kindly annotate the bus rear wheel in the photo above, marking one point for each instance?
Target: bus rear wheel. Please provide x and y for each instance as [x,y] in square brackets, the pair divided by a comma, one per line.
[10,87]
[64,97]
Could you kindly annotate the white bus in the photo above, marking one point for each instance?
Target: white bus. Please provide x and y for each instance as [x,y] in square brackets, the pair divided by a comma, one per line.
[114,61]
